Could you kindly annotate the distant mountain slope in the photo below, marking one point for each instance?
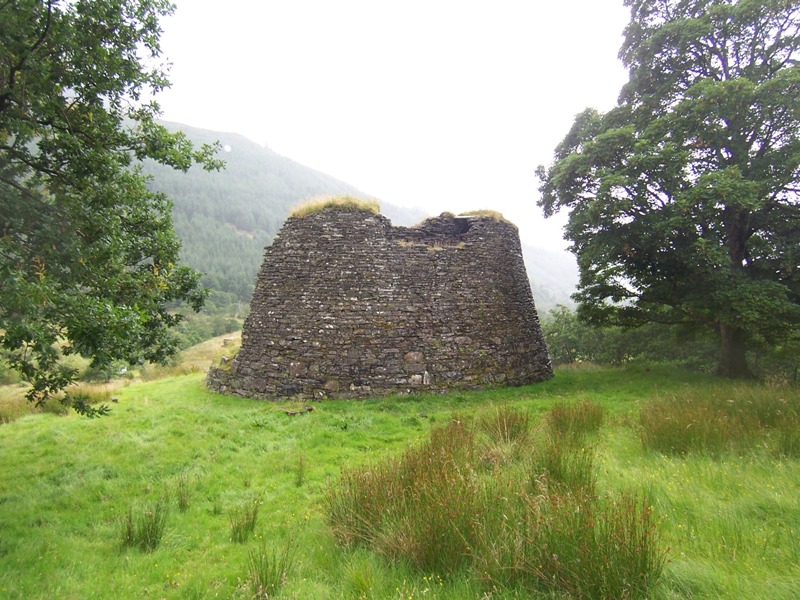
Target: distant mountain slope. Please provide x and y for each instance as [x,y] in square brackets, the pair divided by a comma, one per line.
[553,275]
[226,218]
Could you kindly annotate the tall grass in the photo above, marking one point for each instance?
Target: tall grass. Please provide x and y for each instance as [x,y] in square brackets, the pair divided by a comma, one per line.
[739,421]
[559,467]
[243,520]
[786,439]
[440,509]
[145,529]
[503,434]
[573,421]
[269,568]
[487,214]
[183,491]
[417,507]
[570,544]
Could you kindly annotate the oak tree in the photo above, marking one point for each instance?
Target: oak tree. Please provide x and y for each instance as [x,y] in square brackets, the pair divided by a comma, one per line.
[684,203]
[88,256]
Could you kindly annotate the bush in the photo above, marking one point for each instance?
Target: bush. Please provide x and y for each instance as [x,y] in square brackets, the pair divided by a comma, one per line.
[570,339]
[105,373]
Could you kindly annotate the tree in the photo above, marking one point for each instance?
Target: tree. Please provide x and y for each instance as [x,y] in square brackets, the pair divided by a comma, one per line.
[683,199]
[88,256]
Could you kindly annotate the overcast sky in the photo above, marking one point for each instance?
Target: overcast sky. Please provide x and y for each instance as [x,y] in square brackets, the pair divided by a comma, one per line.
[445,105]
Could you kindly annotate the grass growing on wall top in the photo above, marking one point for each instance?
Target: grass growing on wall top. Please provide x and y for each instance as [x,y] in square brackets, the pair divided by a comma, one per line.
[487,214]
[343,202]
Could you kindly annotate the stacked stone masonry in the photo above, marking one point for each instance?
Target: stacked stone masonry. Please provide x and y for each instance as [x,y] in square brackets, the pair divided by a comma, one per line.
[348,306]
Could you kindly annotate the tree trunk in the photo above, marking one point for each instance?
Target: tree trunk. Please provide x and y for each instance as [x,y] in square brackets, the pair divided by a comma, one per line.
[732,360]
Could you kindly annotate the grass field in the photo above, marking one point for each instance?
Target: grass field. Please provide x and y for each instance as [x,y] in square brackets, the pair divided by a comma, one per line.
[238,481]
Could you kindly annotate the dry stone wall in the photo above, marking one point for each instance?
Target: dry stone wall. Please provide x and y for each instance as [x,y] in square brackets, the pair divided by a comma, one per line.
[346,305]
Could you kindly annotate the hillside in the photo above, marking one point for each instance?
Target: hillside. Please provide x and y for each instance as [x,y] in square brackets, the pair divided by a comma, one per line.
[553,275]
[226,218]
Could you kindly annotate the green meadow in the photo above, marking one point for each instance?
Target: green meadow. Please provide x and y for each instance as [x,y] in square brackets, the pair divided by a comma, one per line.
[181,493]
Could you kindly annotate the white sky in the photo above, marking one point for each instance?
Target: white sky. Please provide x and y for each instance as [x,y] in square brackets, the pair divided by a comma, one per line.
[441,104]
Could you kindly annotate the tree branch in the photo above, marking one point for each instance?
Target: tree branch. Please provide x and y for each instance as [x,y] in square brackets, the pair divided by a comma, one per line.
[5,99]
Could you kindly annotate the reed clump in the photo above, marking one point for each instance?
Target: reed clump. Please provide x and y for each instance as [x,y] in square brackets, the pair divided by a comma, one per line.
[535,524]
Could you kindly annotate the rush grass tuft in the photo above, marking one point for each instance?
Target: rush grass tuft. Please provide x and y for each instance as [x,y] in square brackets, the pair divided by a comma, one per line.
[536,524]
[737,422]
[145,528]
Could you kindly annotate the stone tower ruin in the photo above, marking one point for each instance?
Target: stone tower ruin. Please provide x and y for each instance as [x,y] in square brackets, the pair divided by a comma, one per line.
[348,306]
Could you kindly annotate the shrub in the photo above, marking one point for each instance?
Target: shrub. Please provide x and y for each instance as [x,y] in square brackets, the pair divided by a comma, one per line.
[8,376]
[572,340]
[105,373]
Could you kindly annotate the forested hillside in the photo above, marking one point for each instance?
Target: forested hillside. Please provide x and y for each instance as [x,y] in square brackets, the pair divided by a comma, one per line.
[226,218]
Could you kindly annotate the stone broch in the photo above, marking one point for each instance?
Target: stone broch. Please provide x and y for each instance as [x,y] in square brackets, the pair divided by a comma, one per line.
[348,306]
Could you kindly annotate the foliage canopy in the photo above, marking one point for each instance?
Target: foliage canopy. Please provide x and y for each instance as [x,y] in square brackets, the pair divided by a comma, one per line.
[88,255]
[683,199]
